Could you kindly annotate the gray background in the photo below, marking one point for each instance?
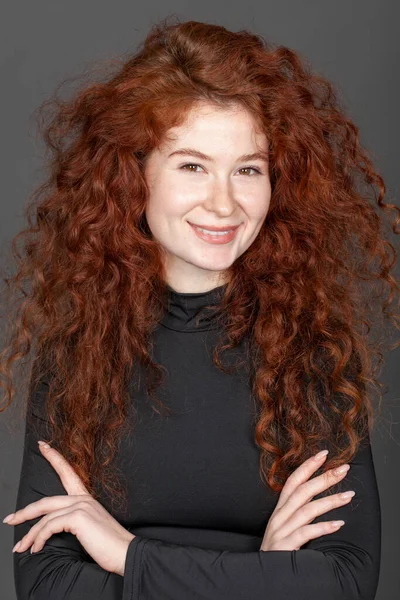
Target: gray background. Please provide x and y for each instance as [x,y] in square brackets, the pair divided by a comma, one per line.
[352,42]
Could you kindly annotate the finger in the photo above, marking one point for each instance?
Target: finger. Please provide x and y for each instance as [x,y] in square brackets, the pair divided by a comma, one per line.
[56,522]
[69,478]
[299,476]
[308,512]
[304,492]
[42,507]
[29,539]
[310,532]
[308,489]
[311,488]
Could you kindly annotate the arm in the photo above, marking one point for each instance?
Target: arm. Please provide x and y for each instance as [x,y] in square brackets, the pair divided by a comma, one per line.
[341,566]
[62,569]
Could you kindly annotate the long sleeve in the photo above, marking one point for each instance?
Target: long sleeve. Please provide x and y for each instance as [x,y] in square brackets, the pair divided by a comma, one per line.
[62,569]
[196,503]
[343,565]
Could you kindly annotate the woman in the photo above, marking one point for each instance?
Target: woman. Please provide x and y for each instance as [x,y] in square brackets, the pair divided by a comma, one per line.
[173,473]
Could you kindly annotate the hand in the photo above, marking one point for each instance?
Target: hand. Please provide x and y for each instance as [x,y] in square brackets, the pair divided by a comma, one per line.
[102,536]
[288,527]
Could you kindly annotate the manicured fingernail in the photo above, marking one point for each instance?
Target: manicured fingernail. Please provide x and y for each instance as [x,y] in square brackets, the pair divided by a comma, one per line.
[337,524]
[8,518]
[348,494]
[342,470]
[16,546]
[321,454]
[43,444]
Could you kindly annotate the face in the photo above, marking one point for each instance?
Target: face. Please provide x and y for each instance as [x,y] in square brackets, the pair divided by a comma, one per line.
[220,189]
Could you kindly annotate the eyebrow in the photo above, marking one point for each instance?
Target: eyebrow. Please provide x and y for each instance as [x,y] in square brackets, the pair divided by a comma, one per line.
[202,156]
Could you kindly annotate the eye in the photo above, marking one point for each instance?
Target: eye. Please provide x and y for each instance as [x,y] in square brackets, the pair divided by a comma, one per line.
[251,169]
[189,165]
[242,169]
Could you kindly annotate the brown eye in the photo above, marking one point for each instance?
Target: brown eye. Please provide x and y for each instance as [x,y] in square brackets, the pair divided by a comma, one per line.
[189,165]
[183,167]
[251,169]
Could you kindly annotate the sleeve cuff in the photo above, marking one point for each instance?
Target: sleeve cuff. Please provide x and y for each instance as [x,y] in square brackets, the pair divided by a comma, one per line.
[133,562]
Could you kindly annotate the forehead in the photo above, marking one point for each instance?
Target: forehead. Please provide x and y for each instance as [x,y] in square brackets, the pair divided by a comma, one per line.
[210,124]
[210,115]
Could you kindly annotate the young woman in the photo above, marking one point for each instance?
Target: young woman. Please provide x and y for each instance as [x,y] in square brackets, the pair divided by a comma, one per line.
[198,273]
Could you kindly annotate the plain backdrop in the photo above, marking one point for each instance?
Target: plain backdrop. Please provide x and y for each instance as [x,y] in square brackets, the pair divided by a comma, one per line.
[354,43]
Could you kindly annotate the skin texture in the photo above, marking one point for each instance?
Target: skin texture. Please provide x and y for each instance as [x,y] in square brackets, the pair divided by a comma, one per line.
[220,192]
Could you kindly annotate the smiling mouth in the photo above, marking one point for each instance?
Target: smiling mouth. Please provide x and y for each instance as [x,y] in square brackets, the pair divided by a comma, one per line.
[211,228]
[215,237]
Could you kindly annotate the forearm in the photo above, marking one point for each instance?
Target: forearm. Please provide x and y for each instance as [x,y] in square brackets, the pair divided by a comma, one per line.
[157,569]
[50,573]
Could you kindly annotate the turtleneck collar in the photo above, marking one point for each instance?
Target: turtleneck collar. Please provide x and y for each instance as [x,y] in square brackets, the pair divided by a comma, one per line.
[185,311]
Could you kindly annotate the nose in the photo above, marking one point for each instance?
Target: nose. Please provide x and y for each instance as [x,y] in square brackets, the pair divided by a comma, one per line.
[220,199]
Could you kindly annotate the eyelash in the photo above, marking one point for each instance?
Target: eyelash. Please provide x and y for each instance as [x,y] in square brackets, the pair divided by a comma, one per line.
[196,165]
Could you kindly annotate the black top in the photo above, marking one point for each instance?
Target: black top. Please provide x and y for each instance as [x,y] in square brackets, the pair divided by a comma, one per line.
[197,504]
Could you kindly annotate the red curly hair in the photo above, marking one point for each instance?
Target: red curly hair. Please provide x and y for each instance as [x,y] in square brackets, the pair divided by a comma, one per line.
[97,279]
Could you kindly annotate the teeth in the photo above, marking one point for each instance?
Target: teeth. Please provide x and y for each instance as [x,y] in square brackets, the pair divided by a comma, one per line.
[214,232]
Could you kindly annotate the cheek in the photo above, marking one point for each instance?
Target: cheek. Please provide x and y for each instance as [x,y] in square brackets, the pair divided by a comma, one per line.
[169,211]
[257,208]
[263,201]
[165,213]
[255,197]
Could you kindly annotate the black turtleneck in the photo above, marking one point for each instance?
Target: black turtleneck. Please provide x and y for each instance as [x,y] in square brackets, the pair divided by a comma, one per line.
[197,505]
[186,311]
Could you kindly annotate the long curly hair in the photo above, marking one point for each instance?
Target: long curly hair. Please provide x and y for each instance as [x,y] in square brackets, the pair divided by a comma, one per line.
[90,283]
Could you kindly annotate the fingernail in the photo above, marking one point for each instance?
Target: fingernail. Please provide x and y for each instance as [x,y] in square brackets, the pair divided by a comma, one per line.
[337,524]
[43,444]
[16,546]
[348,494]
[342,470]
[8,518]
[321,454]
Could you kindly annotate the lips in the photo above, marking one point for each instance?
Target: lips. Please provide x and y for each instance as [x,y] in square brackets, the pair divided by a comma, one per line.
[216,237]
[212,228]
